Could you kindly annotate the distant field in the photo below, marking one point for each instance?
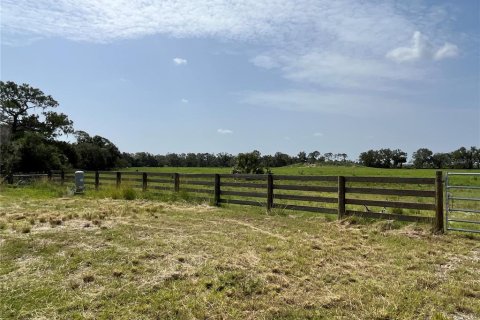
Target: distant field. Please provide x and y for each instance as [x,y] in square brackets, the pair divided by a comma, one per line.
[314,170]
[74,257]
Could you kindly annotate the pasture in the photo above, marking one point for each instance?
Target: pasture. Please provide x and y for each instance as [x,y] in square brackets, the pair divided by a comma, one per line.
[95,257]
[312,170]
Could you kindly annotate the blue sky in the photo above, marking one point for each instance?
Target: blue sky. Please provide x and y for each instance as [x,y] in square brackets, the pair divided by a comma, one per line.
[233,76]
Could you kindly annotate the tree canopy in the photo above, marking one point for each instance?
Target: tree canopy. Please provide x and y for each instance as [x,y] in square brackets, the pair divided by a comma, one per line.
[29,132]
[27,109]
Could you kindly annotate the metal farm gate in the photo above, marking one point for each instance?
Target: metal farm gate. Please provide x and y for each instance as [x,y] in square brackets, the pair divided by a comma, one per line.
[462,201]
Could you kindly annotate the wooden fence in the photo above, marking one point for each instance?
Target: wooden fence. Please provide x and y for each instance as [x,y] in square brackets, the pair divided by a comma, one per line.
[369,197]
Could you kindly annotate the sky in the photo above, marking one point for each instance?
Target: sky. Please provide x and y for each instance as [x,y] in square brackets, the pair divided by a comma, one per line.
[234,76]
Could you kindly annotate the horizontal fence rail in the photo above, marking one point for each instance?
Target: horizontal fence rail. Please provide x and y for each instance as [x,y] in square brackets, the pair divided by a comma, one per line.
[393,198]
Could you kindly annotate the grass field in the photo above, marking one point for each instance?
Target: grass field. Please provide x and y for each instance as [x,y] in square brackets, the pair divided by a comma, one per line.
[312,170]
[93,257]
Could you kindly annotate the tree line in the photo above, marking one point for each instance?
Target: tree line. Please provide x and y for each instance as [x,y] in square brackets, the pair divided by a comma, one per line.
[423,158]
[279,159]
[30,132]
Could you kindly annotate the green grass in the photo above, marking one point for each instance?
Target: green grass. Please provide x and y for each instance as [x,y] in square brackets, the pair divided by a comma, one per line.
[95,257]
[313,170]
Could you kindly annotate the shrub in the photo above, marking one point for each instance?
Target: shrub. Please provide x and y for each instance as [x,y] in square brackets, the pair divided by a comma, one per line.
[129,194]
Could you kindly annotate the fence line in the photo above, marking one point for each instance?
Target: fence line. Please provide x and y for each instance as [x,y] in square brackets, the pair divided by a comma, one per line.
[324,194]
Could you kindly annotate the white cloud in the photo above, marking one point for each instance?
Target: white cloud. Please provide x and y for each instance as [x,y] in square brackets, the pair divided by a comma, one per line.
[224,131]
[106,20]
[337,70]
[292,24]
[339,44]
[179,61]
[421,48]
[184,100]
[447,51]
[318,134]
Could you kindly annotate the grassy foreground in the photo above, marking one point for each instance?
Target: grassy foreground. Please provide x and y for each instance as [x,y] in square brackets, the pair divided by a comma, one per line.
[74,257]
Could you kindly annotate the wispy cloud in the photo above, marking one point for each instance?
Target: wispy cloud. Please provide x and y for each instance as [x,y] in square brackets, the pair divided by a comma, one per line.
[347,104]
[321,23]
[357,47]
[179,61]
[184,100]
[422,48]
[318,134]
[448,50]
[338,70]
[224,131]
[264,61]
[418,49]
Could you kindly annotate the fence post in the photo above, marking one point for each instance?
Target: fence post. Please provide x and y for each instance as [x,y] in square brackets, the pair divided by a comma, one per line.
[50,175]
[97,180]
[144,181]
[176,182]
[439,202]
[216,197]
[119,179]
[62,177]
[341,197]
[269,192]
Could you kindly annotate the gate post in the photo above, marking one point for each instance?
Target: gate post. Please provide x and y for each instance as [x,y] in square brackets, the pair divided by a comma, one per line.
[439,227]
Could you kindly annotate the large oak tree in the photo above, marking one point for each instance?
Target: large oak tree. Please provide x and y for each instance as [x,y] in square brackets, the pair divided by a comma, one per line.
[27,109]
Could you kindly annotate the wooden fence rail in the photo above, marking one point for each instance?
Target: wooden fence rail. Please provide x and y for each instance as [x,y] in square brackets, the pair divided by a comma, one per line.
[339,195]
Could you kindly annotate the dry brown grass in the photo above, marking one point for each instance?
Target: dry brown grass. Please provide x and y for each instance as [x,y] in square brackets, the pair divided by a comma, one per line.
[87,258]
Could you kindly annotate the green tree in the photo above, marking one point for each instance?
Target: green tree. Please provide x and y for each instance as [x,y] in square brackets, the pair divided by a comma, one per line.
[464,158]
[441,160]
[28,129]
[369,158]
[225,159]
[32,153]
[281,159]
[328,156]
[313,156]
[475,156]
[249,162]
[343,156]
[399,157]
[422,158]
[302,157]
[96,153]
[22,108]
